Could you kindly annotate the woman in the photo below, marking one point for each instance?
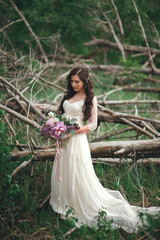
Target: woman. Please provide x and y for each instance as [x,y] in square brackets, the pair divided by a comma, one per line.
[79,188]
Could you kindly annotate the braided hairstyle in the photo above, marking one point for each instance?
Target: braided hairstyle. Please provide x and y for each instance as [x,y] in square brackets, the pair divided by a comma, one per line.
[83,74]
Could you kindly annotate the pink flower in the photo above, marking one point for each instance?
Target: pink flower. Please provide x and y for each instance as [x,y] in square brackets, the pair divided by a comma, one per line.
[50,122]
[59,130]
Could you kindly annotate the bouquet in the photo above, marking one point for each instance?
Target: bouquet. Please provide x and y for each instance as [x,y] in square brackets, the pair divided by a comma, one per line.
[58,126]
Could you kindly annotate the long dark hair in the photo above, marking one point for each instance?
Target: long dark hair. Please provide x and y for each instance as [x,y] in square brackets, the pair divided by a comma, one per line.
[83,74]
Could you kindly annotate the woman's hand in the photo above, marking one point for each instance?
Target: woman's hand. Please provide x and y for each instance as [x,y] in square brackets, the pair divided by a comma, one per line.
[81,130]
[68,135]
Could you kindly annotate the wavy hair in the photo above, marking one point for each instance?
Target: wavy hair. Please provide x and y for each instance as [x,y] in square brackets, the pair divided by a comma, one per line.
[83,74]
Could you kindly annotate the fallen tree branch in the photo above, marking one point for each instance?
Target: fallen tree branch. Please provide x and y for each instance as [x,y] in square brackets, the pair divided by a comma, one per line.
[53,84]
[43,107]
[128,122]
[122,102]
[128,48]
[150,129]
[119,44]
[106,136]
[116,114]
[130,149]
[125,160]
[31,31]
[22,96]
[44,201]
[137,127]
[110,68]
[145,39]
[20,117]
[140,89]
[70,231]
[20,167]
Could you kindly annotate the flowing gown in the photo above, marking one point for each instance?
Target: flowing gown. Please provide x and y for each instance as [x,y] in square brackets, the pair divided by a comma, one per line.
[79,187]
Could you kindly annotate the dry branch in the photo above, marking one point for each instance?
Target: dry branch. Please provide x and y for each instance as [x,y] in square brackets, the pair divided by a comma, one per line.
[20,117]
[114,149]
[121,117]
[145,38]
[137,127]
[106,136]
[20,167]
[106,116]
[141,89]
[110,68]
[53,85]
[125,160]
[21,95]
[119,44]
[11,23]
[132,149]
[44,201]
[31,31]
[128,48]
[122,102]
[43,107]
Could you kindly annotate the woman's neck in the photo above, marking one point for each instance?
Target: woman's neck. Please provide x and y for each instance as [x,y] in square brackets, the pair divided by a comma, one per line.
[81,93]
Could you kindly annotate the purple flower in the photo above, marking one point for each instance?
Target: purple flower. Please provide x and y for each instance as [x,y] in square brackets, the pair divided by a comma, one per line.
[59,130]
[58,127]
[42,120]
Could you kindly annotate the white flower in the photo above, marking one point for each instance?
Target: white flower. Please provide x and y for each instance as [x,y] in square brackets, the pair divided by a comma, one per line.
[69,118]
[76,122]
[56,119]
[51,114]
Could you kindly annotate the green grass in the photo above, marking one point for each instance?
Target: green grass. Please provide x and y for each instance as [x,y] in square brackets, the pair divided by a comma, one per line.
[25,220]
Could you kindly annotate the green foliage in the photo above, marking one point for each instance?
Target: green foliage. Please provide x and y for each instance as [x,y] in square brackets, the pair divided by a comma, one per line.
[9,189]
[49,18]
[22,211]
[71,23]
[6,166]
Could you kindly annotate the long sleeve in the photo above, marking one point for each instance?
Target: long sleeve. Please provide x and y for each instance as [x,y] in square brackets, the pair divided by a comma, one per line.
[92,121]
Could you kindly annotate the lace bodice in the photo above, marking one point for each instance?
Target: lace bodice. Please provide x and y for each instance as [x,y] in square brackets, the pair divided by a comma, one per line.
[75,110]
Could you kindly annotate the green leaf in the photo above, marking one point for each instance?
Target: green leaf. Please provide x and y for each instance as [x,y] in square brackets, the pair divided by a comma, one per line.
[72,132]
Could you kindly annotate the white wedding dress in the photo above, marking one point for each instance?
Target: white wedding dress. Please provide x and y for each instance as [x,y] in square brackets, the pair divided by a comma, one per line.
[79,187]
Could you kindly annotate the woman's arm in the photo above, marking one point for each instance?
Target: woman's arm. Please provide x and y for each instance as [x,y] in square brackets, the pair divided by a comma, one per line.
[92,121]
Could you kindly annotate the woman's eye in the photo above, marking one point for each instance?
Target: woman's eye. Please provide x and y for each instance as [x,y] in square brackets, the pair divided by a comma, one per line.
[75,82]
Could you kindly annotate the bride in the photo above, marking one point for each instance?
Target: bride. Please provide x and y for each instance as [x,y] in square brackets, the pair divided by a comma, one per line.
[79,188]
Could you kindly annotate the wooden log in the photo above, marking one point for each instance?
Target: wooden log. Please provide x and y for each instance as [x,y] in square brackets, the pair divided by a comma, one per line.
[140,89]
[38,154]
[133,149]
[43,107]
[102,116]
[4,81]
[114,149]
[20,167]
[105,68]
[20,116]
[130,102]
[125,160]
[128,48]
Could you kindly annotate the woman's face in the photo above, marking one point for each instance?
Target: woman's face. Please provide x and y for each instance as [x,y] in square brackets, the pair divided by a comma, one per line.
[77,83]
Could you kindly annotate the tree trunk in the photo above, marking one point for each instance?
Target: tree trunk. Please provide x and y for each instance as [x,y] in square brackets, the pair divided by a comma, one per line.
[113,149]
